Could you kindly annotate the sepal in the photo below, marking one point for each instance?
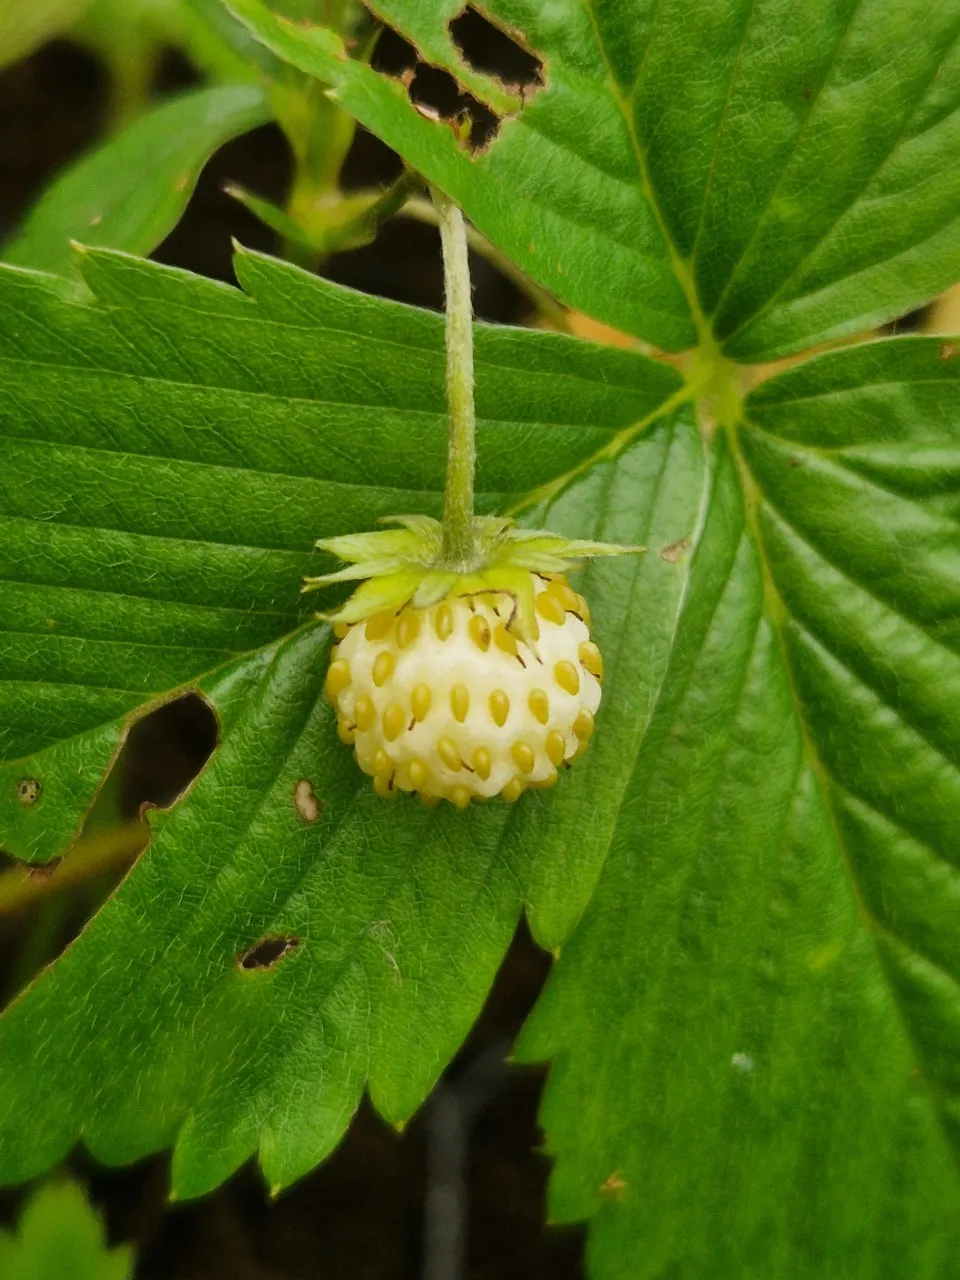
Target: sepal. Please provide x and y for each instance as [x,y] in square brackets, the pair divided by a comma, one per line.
[404,565]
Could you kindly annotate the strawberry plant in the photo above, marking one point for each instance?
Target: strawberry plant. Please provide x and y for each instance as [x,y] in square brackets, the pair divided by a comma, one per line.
[750,883]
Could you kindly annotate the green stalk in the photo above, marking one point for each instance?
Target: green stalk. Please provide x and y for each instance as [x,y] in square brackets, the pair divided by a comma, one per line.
[459,544]
[545,303]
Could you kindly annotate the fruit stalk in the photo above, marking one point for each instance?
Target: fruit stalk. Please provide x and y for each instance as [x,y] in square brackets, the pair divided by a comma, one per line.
[459,544]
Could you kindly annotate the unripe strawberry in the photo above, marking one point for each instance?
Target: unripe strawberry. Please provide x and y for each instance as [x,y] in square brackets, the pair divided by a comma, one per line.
[448,702]
[467,681]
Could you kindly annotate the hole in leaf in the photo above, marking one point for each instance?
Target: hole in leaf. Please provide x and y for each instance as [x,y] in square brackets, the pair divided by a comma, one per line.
[484,123]
[162,755]
[911,322]
[435,92]
[164,752]
[267,952]
[492,51]
[392,55]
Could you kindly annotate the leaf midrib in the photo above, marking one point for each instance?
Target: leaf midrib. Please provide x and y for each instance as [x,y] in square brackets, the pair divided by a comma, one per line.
[835,222]
[681,267]
[721,125]
[825,780]
[620,440]
[788,159]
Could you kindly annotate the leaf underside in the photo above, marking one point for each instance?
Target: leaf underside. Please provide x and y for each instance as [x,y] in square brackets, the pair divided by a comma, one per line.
[753,875]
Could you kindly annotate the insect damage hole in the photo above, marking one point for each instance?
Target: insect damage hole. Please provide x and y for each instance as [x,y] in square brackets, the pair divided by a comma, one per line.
[393,55]
[165,751]
[491,51]
[436,94]
[433,91]
[267,952]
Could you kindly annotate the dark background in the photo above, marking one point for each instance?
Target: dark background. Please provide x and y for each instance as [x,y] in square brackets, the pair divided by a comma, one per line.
[361,1216]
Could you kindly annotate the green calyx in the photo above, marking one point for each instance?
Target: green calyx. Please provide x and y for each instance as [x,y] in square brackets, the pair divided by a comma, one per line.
[405,566]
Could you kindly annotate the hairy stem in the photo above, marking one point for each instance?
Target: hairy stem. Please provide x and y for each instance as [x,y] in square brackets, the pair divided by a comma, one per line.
[545,303]
[458,536]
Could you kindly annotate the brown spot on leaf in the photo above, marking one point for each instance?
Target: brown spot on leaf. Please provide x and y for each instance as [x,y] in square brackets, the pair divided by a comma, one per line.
[306,802]
[96,220]
[795,462]
[267,952]
[28,791]
[948,350]
[614,1186]
[674,551]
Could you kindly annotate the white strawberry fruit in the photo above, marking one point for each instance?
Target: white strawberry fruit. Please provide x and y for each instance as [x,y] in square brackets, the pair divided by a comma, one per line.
[463,684]
[447,701]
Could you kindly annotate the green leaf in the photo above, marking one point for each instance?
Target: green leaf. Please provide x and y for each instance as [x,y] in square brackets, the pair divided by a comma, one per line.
[215,43]
[59,1237]
[761,169]
[564,202]
[131,192]
[171,449]
[394,920]
[751,878]
[24,26]
[218,44]
[756,1025]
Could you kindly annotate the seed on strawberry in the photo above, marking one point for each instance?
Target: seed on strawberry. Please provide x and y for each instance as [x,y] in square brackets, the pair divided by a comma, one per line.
[447,701]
